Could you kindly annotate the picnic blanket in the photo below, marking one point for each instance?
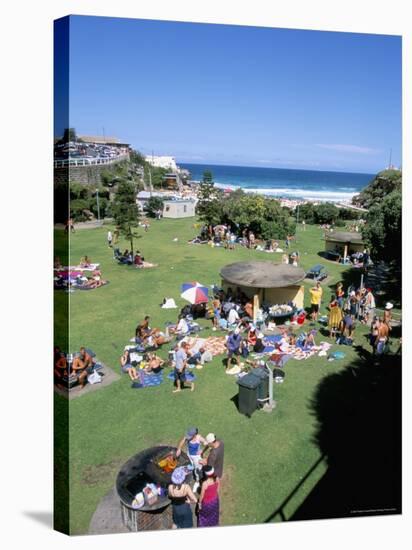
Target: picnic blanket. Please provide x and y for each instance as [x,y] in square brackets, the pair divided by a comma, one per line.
[214,344]
[147,380]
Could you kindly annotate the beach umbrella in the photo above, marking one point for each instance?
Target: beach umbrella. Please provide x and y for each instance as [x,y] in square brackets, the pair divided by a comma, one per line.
[194,292]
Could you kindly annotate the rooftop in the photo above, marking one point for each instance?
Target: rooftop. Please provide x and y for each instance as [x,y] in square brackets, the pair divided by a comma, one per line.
[262,274]
[344,237]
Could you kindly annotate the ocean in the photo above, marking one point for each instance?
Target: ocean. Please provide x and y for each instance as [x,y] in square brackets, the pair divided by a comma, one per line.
[311,185]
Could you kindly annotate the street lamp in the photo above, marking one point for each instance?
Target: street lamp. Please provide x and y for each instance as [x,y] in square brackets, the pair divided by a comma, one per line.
[98,205]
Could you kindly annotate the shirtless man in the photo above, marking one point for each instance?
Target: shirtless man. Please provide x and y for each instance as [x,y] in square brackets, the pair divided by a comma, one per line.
[382,337]
[143,330]
[82,366]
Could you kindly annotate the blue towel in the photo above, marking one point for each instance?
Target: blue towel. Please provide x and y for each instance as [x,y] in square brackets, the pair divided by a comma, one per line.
[189,376]
[149,380]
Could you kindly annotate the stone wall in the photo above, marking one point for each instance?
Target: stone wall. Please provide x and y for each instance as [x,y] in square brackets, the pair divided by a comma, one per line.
[88,175]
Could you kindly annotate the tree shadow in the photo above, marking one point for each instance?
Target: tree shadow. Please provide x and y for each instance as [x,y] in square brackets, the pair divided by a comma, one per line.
[358,412]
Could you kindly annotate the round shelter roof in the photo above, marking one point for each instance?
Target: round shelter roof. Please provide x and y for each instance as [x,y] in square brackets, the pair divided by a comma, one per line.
[345,237]
[262,274]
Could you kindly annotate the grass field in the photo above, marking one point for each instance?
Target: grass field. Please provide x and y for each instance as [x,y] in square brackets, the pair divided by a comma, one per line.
[266,456]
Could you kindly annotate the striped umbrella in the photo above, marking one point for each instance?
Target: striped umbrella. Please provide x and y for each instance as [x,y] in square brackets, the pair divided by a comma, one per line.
[195,293]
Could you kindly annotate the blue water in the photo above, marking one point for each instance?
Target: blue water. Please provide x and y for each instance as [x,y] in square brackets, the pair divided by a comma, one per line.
[278,182]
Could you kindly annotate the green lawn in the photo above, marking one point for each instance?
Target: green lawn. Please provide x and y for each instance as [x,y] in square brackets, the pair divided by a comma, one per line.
[266,456]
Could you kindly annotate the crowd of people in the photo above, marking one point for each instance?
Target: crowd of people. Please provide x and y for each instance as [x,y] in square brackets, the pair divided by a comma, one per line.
[354,305]
[223,235]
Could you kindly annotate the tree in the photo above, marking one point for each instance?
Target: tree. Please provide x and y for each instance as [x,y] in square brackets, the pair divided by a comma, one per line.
[210,205]
[125,211]
[306,212]
[326,212]
[207,177]
[154,204]
[382,231]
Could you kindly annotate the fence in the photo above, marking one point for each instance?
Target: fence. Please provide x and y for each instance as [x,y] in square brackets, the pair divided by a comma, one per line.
[98,161]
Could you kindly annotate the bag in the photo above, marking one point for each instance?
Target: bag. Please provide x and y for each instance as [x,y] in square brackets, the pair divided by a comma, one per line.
[94,378]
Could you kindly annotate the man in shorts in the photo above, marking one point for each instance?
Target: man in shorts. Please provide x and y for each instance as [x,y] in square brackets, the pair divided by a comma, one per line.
[83,365]
[315,300]
[180,368]
[233,343]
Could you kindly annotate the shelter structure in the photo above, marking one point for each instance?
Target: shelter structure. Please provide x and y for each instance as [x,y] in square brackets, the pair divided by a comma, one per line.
[344,242]
[180,208]
[265,282]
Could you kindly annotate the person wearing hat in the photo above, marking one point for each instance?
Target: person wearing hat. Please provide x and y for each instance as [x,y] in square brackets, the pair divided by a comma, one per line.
[181,496]
[233,342]
[215,448]
[387,315]
[194,443]
[209,499]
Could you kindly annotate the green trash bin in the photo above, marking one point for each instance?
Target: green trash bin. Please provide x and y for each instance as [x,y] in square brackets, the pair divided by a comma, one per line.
[248,393]
[263,375]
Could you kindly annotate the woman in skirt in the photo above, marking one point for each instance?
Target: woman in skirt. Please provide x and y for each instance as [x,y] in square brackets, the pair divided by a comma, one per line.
[181,496]
[209,499]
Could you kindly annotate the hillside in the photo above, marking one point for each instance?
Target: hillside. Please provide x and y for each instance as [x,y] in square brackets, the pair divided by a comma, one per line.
[384,183]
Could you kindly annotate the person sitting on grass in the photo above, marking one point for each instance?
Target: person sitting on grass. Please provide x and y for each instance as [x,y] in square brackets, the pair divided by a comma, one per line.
[85,262]
[127,366]
[94,282]
[180,368]
[138,261]
[182,328]
[251,336]
[233,342]
[143,331]
[83,365]
[153,363]
[60,367]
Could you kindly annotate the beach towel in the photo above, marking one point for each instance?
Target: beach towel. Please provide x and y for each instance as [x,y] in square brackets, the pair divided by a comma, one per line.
[148,380]
[169,304]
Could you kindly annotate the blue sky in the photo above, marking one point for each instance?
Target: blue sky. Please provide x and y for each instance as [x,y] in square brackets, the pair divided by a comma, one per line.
[239,95]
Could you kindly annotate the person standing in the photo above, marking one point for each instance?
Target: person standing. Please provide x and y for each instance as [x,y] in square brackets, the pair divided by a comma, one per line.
[233,346]
[180,368]
[209,499]
[387,315]
[215,449]
[381,338]
[194,442]
[335,316]
[315,300]
[181,496]
[109,238]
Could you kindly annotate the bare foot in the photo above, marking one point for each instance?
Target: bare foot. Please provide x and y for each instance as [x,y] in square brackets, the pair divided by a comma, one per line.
[192,388]
[175,391]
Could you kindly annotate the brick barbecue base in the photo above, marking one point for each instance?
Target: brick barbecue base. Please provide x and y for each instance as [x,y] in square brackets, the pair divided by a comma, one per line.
[136,520]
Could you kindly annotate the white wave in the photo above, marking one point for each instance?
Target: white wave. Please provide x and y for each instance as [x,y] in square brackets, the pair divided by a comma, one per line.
[305,194]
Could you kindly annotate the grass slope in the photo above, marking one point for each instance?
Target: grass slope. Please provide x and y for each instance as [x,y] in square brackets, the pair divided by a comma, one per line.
[265,456]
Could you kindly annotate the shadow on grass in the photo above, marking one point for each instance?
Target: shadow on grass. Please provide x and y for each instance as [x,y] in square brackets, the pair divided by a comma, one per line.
[358,413]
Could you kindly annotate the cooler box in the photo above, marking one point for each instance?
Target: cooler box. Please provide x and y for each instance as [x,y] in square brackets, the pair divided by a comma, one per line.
[248,393]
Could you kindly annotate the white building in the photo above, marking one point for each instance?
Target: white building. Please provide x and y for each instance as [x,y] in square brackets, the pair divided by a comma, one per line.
[179,208]
[162,162]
